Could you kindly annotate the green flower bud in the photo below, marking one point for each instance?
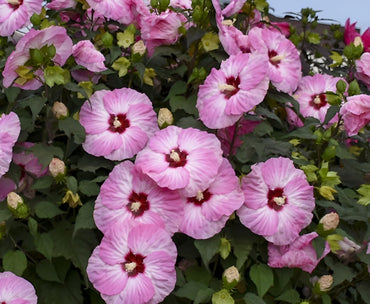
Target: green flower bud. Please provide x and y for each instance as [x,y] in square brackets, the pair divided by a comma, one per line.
[107,39]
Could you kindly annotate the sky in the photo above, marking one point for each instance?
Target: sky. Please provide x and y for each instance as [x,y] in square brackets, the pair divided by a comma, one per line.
[339,10]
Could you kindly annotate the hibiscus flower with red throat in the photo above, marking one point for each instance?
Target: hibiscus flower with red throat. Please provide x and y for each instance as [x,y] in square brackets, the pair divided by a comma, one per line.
[278,200]
[127,195]
[134,265]
[178,158]
[118,123]
[237,87]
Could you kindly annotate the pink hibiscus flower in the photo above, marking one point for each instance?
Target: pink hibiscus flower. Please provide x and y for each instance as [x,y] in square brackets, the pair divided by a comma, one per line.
[14,289]
[237,87]
[7,185]
[127,195]
[10,127]
[134,265]
[363,69]
[160,29]
[285,70]
[208,209]
[14,14]
[181,158]
[350,34]
[311,96]
[61,4]
[299,254]
[118,123]
[36,39]
[278,201]
[356,113]
[88,56]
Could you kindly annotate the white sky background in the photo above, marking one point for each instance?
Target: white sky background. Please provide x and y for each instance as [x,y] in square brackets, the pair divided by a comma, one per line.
[339,10]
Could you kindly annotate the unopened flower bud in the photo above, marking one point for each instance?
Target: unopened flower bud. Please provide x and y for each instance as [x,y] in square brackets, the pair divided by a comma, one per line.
[59,110]
[165,118]
[347,248]
[57,167]
[330,221]
[325,282]
[13,199]
[231,277]
[139,47]
[16,205]
[358,41]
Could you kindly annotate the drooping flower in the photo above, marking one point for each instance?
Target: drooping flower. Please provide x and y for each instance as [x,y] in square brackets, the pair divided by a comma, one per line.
[15,289]
[230,136]
[10,127]
[356,113]
[208,209]
[31,168]
[15,14]
[118,123]
[160,29]
[350,35]
[88,56]
[312,99]
[129,196]
[237,87]
[134,265]
[278,200]
[35,39]
[299,254]
[179,158]
[363,69]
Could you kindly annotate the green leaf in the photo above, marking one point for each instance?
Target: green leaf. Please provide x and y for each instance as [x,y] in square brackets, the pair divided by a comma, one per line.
[72,184]
[55,75]
[264,128]
[337,59]
[208,248]
[354,88]
[12,93]
[198,274]
[330,113]
[325,299]
[251,298]
[222,297]
[72,126]
[242,243]
[90,163]
[203,295]
[263,277]
[364,290]
[319,246]
[43,182]
[32,226]
[341,273]
[313,38]
[193,290]
[290,296]
[56,293]
[89,188]
[15,261]
[364,191]
[45,209]
[45,153]
[5,213]
[46,271]
[84,218]
[44,244]
[121,65]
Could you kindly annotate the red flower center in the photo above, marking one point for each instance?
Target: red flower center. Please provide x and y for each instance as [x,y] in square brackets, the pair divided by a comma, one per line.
[275,59]
[318,101]
[15,4]
[231,87]
[134,264]
[118,123]
[276,199]
[138,203]
[200,198]
[176,158]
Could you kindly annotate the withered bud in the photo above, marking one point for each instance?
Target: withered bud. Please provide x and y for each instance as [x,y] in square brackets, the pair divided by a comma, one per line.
[60,110]
[139,47]
[325,282]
